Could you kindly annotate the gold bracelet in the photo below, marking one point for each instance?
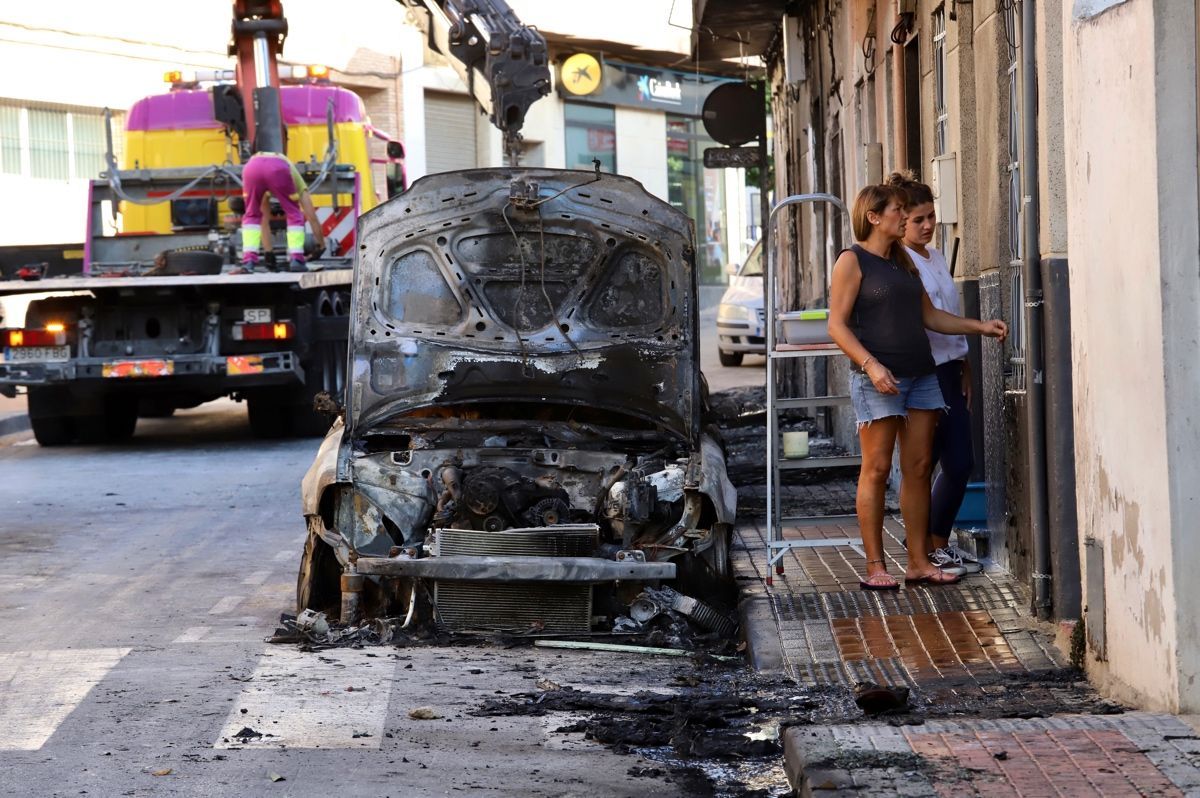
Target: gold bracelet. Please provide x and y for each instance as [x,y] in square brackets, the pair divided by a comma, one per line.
[868,360]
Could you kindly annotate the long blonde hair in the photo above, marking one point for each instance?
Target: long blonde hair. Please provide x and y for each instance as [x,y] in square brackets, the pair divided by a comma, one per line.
[875,199]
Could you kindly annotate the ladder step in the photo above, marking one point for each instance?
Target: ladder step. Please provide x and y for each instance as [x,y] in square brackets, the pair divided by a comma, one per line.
[811,401]
[818,462]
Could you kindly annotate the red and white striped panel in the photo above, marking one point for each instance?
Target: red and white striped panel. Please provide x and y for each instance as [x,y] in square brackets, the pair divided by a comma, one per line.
[338,228]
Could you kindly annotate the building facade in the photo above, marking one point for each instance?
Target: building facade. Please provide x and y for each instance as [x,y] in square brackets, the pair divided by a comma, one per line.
[69,62]
[1066,175]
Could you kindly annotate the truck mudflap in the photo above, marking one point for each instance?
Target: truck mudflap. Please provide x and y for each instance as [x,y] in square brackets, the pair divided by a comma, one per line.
[260,368]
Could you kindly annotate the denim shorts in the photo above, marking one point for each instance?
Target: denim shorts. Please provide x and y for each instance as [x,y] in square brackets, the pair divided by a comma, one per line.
[916,393]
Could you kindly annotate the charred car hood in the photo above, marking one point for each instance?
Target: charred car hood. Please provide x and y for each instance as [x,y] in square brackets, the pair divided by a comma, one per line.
[507,286]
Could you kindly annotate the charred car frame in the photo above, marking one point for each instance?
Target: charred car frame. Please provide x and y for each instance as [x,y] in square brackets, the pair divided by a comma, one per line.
[522,430]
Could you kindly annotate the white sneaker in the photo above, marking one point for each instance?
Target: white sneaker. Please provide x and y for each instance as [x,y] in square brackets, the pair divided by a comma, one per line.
[951,560]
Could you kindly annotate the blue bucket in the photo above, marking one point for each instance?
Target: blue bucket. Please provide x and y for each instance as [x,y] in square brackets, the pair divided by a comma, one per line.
[973,513]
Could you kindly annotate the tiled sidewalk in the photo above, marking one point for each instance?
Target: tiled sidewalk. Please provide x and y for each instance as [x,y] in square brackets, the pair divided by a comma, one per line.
[832,632]
[994,709]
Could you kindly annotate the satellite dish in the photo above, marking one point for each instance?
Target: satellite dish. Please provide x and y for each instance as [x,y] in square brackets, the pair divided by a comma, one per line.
[734,113]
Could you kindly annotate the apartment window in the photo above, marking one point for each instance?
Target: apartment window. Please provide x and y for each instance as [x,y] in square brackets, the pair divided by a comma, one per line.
[912,105]
[49,147]
[52,143]
[591,135]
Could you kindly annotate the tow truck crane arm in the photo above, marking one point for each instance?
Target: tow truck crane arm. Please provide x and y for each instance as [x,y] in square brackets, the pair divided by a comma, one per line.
[503,62]
[259,29]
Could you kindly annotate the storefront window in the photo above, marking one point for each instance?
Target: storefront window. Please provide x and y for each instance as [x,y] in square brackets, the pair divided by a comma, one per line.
[591,134]
[698,192]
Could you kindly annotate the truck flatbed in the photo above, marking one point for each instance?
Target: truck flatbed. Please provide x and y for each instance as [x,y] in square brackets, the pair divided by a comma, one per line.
[324,278]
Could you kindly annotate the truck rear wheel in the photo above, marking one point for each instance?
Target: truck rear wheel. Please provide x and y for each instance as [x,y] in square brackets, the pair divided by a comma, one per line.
[115,423]
[52,430]
[268,413]
[51,424]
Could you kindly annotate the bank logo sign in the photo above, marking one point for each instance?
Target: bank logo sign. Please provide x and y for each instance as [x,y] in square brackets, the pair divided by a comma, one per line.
[587,78]
[580,74]
[652,89]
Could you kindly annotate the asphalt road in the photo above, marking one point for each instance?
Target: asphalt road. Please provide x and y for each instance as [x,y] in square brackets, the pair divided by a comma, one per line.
[752,371]
[137,587]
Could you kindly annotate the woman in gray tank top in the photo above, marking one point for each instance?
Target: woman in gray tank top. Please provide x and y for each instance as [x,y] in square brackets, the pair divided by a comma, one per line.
[878,314]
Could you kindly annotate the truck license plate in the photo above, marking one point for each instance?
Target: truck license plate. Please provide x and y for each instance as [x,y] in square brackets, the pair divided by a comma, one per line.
[139,368]
[27,354]
[256,315]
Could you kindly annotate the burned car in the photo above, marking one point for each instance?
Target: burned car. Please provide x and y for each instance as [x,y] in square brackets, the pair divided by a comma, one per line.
[521,444]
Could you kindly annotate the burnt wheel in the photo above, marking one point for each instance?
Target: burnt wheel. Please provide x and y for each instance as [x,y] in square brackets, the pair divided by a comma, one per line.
[318,583]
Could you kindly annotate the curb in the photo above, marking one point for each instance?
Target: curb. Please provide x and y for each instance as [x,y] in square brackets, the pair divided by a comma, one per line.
[763,645]
[818,763]
[11,425]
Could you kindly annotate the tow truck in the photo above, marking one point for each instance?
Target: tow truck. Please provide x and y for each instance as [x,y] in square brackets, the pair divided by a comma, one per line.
[155,315]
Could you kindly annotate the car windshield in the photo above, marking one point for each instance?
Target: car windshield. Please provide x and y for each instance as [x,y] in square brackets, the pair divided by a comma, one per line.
[753,267]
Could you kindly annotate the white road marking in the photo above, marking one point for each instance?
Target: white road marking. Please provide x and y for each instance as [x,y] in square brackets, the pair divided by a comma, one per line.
[193,634]
[225,605]
[39,689]
[257,578]
[286,555]
[299,700]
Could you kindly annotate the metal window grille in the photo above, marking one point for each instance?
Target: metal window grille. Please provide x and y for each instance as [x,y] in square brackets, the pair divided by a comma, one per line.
[49,145]
[941,114]
[939,81]
[10,139]
[1016,244]
[87,139]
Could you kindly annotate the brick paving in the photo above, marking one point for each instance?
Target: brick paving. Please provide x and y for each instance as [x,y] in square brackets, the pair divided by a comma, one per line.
[1081,761]
[994,709]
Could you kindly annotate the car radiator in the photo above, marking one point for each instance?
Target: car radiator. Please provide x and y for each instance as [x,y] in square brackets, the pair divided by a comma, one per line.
[516,607]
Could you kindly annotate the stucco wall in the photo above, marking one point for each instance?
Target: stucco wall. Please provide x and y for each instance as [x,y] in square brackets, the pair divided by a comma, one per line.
[1125,261]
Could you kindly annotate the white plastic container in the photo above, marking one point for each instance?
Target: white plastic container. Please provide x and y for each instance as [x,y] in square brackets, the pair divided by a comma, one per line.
[795,445]
[805,326]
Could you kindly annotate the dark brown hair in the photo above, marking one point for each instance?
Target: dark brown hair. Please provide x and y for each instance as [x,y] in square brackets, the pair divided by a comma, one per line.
[875,199]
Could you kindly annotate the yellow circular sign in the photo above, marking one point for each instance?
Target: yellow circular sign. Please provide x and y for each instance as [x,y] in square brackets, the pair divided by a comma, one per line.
[580,74]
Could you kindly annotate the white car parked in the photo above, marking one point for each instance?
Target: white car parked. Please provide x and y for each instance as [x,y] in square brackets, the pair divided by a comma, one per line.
[740,318]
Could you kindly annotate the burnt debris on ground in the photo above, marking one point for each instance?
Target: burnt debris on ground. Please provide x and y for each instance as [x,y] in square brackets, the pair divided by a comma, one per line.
[713,726]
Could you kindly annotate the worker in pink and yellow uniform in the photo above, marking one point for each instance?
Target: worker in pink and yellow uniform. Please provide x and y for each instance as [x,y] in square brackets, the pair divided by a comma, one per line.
[267,175]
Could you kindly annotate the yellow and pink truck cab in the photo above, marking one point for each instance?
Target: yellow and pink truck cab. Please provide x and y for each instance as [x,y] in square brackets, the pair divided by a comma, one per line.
[180,129]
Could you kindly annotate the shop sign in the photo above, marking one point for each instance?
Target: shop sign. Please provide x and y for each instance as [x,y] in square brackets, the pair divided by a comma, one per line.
[731,157]
[635,86]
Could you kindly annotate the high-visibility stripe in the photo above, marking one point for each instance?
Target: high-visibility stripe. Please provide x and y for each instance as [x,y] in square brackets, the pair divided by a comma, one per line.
[338,227]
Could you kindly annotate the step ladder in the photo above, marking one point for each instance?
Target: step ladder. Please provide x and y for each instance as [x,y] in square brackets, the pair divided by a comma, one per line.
[777,547]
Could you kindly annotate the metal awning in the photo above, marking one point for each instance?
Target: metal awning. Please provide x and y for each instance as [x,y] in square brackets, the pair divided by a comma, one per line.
[734,28]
